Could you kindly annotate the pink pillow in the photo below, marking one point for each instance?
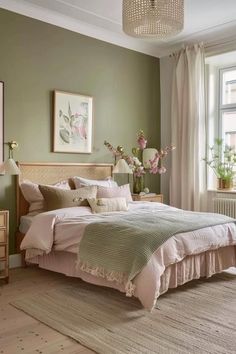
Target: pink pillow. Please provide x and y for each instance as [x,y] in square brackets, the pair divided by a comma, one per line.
[35,198]
[115,192]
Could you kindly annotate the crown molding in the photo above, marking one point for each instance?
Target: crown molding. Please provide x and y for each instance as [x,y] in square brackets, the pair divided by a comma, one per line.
[212,36]
[37,12]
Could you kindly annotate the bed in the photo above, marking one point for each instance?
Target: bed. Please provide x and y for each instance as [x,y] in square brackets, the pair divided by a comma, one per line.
[202,253]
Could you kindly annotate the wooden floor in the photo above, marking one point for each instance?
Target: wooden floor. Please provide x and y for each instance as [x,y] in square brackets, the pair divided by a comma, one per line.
[20,333]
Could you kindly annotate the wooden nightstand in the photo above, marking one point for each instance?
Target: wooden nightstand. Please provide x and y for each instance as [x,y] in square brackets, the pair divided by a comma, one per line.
[150,197]
[4,247]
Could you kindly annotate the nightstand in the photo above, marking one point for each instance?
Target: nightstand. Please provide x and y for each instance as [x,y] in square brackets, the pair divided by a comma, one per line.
[149,197]
[4,246]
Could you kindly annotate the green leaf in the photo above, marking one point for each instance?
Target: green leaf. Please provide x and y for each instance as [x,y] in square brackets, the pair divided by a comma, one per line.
[65,135]
[69,110]
[66,119]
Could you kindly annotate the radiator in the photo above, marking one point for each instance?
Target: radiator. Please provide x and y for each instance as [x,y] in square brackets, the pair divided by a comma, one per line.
[225,206]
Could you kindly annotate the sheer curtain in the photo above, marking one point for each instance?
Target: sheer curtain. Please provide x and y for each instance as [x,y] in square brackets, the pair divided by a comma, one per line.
[188,130]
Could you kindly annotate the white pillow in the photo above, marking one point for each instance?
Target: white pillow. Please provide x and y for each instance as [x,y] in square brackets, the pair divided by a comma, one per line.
[104,205]
[115,192]
[84,182]
[35,198]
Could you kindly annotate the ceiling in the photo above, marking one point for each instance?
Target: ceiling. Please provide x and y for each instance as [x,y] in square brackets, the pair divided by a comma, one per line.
[210,21]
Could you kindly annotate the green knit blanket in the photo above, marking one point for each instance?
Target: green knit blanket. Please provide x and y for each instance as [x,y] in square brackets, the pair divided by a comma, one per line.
[118,248]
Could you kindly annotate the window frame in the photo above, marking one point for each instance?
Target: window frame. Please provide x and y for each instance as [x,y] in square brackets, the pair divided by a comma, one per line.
[222,108]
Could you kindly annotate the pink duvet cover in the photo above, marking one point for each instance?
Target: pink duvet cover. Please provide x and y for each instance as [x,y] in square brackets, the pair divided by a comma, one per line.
[62,230]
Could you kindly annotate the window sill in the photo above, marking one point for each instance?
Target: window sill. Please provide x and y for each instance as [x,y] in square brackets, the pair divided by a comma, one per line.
[229,191]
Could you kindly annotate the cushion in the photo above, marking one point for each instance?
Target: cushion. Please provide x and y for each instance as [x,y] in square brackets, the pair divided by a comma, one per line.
[56,198]
[62,185]
[115,192]
[34,197]
[83,182]
[103,205]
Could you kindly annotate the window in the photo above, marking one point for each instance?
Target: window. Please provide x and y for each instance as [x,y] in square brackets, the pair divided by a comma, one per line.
[221,104]
[227,105]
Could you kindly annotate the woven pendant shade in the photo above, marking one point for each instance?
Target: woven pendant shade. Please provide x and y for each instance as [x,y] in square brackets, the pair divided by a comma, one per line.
[153,18]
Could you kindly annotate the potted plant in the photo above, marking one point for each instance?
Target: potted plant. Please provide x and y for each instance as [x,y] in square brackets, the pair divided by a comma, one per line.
[222,161]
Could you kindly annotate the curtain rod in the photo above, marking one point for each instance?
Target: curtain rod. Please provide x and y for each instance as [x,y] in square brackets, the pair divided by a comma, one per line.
[208,46]
[223,42]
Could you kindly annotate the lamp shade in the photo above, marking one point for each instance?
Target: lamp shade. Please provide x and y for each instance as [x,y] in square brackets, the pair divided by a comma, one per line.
[153,18]
[122,167]
[148,154]
[9,167]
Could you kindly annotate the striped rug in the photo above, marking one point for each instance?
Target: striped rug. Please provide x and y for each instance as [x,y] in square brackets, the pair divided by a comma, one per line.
[197,318]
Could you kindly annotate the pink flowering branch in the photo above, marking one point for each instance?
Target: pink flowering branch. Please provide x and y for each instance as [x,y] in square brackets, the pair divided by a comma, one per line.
[134,162]
[120,153]
[141,140]
[156,162]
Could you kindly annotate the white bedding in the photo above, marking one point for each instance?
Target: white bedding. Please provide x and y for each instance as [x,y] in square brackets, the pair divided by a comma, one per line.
[25,223]
[62,230]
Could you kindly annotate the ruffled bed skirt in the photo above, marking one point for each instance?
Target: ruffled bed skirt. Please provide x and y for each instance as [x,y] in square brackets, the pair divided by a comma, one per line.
[191,267]
[196,266]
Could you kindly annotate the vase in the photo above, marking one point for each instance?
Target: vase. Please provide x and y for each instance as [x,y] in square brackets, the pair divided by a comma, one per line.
[225,183]
[138,184]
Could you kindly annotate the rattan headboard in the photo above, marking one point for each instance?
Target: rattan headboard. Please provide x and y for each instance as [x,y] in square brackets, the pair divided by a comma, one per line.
[50,173]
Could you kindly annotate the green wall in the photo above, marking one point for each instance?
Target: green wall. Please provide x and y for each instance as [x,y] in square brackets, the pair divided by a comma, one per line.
[37,58]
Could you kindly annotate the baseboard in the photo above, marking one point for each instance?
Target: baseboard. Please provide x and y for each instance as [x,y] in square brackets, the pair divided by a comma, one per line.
[15,261]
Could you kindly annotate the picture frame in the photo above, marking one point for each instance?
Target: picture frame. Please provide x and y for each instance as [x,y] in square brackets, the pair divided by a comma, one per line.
[72,123]
[1,122]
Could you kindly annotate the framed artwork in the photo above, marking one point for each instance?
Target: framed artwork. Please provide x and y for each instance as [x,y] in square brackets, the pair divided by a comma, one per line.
[73,123]
[1,121]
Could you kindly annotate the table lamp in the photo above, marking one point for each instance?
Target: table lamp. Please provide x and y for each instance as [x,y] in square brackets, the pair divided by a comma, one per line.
[9,167]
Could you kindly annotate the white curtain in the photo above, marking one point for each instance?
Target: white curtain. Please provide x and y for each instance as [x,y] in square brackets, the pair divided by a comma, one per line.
[188,130]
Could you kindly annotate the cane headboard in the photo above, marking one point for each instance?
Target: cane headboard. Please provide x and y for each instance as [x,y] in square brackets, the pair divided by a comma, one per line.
[50,173]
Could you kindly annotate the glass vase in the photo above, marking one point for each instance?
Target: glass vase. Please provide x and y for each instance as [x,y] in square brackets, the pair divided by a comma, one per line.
[225,183]
[138,185]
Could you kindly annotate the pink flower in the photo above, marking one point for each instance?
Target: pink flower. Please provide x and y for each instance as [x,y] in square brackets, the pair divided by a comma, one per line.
[133,161]
[142,142]
[154,170]
[139,171]
[162,170]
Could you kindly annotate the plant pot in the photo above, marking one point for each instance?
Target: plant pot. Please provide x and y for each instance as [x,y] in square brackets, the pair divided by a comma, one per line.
[138,184]
[225,183]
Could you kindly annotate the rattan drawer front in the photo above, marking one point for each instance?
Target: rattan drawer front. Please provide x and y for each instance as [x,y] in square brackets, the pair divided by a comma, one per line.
[3,252]
[4,257]
[2,219]
[148,197]
[3,236]
[157,198]
[3,269]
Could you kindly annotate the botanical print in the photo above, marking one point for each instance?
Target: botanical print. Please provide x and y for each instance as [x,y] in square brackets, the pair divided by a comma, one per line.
[72,123]
[1,121]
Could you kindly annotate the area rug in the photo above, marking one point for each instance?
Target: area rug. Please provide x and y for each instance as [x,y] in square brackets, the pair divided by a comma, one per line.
[199,317]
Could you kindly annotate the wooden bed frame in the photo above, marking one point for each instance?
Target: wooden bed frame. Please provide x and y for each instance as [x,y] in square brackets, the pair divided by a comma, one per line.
[51,173]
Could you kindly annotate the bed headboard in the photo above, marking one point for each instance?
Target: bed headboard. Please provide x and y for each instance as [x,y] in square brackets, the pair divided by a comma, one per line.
[50,173]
